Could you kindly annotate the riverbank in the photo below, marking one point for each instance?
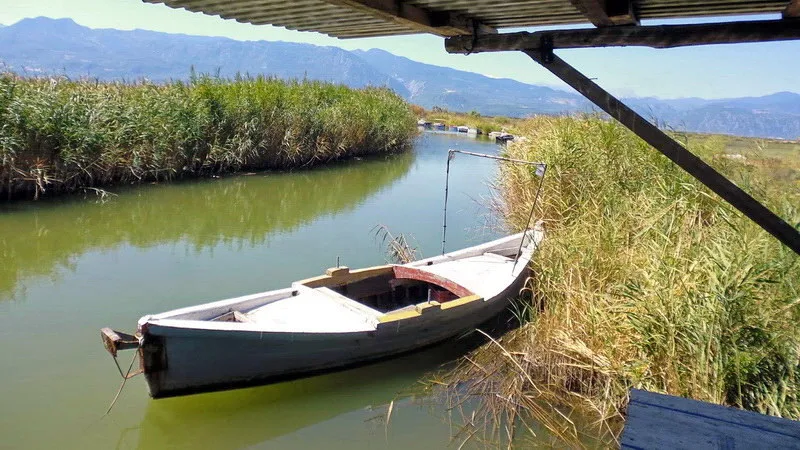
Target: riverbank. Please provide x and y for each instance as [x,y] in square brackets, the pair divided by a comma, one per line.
[646,280]
[485,124]
[60,135]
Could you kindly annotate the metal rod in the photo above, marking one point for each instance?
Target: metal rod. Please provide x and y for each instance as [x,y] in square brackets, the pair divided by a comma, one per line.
[446,188]
[451,154]
[501,158]
[695,166]
[530,217]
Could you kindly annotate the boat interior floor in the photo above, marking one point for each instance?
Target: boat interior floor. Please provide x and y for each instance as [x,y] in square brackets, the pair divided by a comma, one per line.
[315,310]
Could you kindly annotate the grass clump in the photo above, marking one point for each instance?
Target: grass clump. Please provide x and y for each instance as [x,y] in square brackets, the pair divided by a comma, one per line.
[645,279]
[59,135]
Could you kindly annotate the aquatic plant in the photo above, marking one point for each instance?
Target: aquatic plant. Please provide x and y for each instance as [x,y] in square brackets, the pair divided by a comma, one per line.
[62,135]
[646,279]
[399,249]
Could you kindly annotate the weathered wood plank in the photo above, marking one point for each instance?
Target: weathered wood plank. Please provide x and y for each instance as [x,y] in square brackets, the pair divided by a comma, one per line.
[114,341]
[670,148]
[417,18]
[621,12]
[461,301]
[663,421]
[607,13]
[792,9]
[343,277]
[660,36]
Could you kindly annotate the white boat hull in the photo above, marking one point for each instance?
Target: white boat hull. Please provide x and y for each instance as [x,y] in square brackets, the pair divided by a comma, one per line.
[185,352]
[207,360]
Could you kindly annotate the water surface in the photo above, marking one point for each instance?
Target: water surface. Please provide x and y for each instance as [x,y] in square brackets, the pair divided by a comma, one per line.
[73,265]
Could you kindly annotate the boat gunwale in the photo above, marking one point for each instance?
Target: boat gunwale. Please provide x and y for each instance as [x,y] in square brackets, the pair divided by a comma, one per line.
[165,320]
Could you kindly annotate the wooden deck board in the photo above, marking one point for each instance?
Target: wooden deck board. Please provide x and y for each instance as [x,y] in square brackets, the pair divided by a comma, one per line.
[663,421]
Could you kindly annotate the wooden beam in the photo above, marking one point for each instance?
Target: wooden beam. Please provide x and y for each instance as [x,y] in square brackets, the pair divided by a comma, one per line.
[792,9]
[607,13]
[661,36]
[621,12]
[421,19]
[695,166]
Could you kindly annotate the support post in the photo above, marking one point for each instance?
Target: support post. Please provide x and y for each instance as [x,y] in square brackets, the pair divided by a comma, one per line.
[696,167]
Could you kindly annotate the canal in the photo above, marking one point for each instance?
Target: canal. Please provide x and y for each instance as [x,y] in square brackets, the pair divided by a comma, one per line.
[73,265]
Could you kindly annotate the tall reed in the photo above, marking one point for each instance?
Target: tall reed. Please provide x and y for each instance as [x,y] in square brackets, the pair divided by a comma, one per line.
[60,135]
[645,279]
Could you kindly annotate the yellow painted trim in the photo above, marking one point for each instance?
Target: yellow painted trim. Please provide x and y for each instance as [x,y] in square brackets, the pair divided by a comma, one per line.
[398,315]
[337,271]
[461,301]
[314,281]
[345,278]
[420,309]
[423,308]
[426,307]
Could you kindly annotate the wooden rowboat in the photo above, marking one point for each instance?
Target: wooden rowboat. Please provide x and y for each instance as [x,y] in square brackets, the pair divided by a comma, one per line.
[341,319]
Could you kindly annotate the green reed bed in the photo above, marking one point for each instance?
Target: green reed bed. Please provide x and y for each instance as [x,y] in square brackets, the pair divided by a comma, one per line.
[646,279]
[59,135]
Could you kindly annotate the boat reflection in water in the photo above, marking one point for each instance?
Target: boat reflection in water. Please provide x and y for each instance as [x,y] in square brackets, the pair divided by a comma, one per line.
[344,410]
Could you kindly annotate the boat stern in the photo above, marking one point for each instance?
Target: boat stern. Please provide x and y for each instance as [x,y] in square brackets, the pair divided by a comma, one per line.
[115,341]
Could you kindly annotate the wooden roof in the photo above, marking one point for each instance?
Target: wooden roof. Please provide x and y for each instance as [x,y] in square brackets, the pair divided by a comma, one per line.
[367,18]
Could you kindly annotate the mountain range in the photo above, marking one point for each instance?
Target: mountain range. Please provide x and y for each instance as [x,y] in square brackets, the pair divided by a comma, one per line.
[43,46]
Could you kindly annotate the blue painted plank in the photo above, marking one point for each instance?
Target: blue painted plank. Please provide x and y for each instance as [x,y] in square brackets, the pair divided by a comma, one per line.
[663,421]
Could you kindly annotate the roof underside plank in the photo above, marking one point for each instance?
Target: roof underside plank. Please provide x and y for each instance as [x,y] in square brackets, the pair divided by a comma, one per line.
[365,18]
[793,10]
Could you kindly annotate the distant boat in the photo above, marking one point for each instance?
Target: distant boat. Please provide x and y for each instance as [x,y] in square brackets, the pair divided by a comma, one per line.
[504,137]
[423,123]
[463,129]
[438,126]
[474,131]
[341,319]
[501,136]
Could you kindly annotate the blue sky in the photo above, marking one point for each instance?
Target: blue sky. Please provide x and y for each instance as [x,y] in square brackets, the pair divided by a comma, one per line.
[710,72]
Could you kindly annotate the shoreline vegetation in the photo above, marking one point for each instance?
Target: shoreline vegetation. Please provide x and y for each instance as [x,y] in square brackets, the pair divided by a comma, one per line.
[646,279]
[60,136]
[473,120]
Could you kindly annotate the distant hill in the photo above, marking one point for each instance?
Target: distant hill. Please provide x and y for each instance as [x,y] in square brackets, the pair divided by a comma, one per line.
[45,46]
[464,91]
[776,115]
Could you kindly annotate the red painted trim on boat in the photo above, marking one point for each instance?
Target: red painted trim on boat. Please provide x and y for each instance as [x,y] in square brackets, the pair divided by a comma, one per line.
[413,273]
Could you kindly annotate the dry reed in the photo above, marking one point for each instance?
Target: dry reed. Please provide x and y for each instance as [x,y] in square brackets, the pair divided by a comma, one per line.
[646,280]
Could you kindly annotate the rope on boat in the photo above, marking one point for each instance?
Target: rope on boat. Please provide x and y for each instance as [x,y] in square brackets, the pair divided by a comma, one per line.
[125,377]
[541,169]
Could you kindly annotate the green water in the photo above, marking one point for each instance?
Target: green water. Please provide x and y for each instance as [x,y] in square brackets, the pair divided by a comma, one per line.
[73,265]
